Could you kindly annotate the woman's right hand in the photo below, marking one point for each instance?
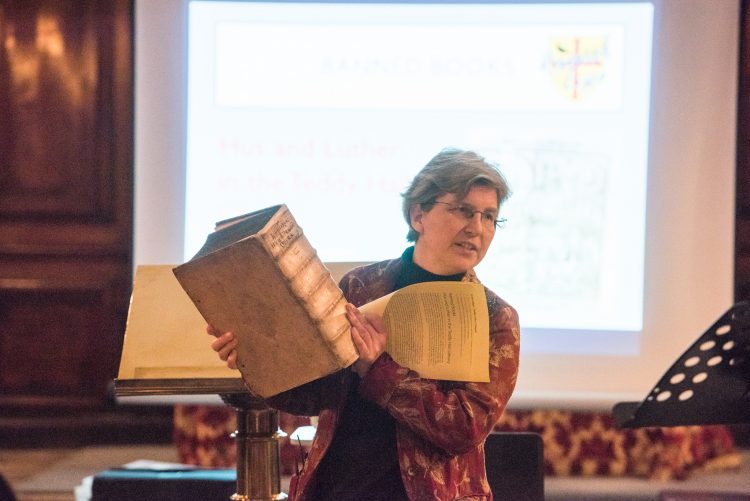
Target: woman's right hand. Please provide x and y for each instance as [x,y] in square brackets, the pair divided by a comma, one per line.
[225,345]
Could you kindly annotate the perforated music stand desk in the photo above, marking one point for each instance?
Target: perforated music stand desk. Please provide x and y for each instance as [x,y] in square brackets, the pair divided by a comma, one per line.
[708,384]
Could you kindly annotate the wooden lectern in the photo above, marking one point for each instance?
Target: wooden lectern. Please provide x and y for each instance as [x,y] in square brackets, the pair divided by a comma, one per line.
[165,353]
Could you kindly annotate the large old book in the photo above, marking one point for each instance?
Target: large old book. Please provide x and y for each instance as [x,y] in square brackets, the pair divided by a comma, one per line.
[258,276]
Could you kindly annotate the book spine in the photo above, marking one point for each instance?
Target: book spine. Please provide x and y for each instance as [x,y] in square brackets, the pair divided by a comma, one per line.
[310,282]
[281,232]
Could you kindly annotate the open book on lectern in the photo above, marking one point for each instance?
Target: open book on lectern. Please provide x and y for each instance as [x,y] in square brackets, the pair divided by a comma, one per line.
[166,349]
[708,384]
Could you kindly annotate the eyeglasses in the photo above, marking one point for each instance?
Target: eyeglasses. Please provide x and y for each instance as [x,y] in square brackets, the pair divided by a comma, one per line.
[489,218]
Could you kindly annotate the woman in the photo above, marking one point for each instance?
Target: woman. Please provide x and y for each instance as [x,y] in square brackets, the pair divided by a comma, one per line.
[383,432]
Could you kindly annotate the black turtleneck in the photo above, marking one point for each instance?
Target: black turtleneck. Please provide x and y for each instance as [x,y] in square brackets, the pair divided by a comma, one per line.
[411,273]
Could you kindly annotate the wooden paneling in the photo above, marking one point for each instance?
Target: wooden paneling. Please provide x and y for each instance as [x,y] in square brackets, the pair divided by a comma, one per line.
[66,194]
[58,71]
[62,329]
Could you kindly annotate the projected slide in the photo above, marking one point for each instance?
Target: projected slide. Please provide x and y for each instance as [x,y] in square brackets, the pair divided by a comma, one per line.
[332,109]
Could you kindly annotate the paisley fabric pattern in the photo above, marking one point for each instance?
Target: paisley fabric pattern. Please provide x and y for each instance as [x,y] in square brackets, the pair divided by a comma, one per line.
[202,434]
[441,425]
[590,444]
[576,444]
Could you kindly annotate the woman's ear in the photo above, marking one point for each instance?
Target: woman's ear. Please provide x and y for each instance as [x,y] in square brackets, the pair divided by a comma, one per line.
[416,213]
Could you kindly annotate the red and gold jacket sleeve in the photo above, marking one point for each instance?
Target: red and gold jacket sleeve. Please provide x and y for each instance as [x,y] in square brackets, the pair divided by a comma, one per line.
[442,425]
[453,416]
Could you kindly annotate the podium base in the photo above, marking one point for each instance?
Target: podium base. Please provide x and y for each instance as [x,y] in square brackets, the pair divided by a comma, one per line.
[257,438]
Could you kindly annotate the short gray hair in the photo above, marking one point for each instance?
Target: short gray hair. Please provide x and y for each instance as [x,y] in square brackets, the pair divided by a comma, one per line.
[453,171]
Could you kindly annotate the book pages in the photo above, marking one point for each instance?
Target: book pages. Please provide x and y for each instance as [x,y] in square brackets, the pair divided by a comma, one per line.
[438,329]
[165,336]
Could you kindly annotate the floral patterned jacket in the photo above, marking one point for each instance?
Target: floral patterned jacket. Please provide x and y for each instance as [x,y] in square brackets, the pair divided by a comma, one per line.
[441,425]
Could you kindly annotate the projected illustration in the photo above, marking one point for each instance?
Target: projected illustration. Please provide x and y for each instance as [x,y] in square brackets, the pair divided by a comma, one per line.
[577,64]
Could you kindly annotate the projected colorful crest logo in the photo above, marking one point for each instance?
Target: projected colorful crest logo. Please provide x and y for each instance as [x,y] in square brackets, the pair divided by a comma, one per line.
[577,65]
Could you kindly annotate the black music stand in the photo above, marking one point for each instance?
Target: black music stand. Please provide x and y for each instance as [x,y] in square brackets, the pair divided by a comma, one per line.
[708,384]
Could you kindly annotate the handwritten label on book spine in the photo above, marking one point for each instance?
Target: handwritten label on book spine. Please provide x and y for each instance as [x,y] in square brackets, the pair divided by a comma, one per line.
[282,233]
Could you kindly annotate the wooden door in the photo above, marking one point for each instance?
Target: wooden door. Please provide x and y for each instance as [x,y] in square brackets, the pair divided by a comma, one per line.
[66,150]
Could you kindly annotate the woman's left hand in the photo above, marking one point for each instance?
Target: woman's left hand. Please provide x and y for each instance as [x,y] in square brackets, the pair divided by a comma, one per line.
[369,336]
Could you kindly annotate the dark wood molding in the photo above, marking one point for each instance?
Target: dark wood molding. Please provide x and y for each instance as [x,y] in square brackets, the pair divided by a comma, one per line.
[62,327]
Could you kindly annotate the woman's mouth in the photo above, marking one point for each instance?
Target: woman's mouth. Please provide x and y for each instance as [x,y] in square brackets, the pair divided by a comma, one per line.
[467,246]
